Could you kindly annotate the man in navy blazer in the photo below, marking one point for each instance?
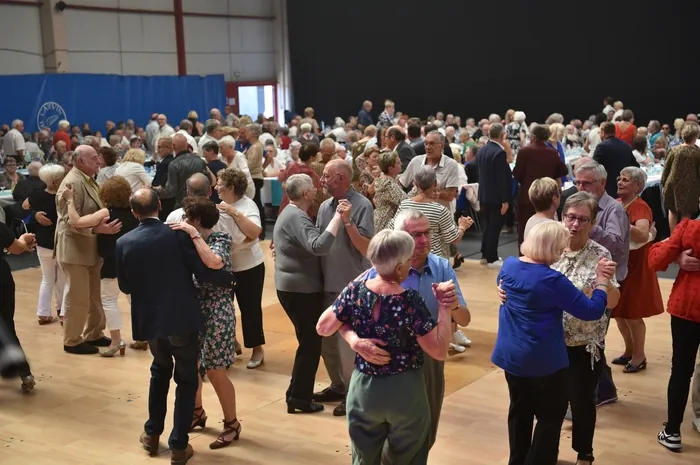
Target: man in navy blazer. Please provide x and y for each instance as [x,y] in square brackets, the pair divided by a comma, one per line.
[495,187]
[614,154]
[155,265]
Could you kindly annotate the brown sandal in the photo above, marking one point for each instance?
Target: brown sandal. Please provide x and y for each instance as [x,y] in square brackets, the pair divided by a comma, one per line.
[232,429]
[199,419]
[46,320]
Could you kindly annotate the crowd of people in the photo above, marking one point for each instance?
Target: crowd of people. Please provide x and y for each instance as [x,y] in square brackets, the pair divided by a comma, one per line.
[365,246]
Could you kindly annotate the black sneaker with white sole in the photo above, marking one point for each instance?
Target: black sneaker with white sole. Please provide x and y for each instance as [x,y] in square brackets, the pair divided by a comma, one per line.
[671,442]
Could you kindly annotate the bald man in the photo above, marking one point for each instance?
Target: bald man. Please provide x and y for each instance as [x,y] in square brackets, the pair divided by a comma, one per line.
[76,253]
[180,169]
[163,130]
[349,248]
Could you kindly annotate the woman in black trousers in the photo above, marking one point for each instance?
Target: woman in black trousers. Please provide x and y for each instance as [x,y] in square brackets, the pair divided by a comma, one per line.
[7,304]
[299,284]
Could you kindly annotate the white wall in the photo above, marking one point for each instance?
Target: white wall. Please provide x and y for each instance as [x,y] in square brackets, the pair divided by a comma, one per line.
[241,49]
[20,40]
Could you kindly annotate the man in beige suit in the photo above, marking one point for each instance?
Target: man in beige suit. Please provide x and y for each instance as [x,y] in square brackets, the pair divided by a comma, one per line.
[76,253]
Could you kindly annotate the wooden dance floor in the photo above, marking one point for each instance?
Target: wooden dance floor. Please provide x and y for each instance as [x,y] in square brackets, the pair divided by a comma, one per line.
[90,410]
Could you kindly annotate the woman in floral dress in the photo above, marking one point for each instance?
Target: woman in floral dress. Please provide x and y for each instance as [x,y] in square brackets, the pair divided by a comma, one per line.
[386,190]
[217,339]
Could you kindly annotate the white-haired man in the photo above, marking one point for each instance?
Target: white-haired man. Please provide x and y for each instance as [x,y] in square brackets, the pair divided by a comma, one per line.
[13,142]
[426,269]
[234,159]
[76,253]
[213,132]
[164,129]
[186,127]
[62,133]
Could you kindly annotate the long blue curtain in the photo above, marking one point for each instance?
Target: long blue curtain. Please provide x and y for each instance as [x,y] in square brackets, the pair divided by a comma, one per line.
[41,100]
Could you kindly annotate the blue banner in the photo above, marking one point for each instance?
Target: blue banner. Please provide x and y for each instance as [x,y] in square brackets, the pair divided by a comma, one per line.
[42,100]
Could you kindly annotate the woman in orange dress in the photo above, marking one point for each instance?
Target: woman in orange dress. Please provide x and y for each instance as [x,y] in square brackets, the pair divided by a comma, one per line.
[640,294]
[625,129]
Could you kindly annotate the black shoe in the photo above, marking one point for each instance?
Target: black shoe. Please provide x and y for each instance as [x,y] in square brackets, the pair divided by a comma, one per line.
[328,395]
[81,349]
[302,406]
[104,341]
[457,262]
[339,411]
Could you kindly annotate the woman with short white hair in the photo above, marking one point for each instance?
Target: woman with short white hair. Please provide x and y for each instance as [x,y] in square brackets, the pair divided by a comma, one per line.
[131,168]
[53,280]
[517,131]
[299,284]
[388,403]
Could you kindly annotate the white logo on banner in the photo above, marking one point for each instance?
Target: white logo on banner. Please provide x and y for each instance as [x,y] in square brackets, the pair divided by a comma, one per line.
[49,114]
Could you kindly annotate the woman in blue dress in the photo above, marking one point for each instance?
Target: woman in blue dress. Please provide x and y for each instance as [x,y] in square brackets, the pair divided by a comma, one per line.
[217,351]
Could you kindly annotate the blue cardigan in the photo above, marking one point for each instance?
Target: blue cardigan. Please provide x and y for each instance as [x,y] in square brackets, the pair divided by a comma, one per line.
[530,341]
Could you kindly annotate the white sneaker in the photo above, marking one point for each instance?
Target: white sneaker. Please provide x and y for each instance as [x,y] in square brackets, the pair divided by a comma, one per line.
[671,442]
[696,424]
[455,349]
[460,339]
[496,265]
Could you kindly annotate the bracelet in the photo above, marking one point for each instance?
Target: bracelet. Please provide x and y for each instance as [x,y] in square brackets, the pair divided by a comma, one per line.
[196,236]
[601,285]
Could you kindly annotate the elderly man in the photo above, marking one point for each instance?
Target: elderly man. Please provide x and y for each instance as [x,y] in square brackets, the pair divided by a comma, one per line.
[186,130]
[364,117]
[164,129]
[327,149]
[180,169]
[233,159]
[13,142]
[612,231]
[396,141]
[62,133]
[213,132]
[426,269]
[349,249]
[76,253]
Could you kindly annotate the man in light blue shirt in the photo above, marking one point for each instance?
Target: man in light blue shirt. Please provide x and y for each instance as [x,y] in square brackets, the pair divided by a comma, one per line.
[426,269]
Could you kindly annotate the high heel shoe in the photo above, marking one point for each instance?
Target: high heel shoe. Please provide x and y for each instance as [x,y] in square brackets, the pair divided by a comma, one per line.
[302,406]
[112,351]
[232,427]
[199,419]
[459,259]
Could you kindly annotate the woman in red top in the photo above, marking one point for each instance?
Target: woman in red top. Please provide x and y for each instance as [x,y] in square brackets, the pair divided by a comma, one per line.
[625,129]
[640,296]
[684,307]
[308,151]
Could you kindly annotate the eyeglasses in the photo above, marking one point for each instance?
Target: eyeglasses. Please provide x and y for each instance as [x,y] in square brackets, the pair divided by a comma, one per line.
[578,183]
[419,234]
[624,180]
[573,218]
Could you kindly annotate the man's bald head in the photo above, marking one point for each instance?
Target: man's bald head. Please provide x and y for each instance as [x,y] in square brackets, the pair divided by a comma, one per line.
[198,185]
[179,143]
[86,159]
[342,167]
[144,203]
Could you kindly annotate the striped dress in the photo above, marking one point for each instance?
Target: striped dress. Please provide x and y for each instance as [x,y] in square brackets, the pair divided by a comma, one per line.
[443,229]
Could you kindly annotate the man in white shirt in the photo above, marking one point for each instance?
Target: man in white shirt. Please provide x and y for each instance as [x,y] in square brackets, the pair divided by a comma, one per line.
[213,132]
[186,130]
[13,142]
[233,159]
[198,185]
[164,129]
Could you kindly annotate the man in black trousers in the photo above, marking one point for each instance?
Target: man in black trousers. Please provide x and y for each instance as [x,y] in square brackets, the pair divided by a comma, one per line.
[155,265]
[495,184]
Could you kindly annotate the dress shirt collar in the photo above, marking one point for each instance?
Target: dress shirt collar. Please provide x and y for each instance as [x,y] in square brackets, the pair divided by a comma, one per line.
[497,143]
[605,201]
[441,164]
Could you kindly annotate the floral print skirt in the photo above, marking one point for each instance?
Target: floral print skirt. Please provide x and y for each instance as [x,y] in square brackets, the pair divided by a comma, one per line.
[216,340]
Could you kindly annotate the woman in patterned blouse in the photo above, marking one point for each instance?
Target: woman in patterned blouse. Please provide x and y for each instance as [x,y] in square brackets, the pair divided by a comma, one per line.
[386,191]
[585,340]
[389,401]
[370,169]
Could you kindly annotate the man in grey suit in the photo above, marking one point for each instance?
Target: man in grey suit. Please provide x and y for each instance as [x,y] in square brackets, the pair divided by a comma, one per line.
[396,141]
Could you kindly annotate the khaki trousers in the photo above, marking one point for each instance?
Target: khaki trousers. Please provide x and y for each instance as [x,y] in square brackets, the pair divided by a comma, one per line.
[83,315]
[337,355]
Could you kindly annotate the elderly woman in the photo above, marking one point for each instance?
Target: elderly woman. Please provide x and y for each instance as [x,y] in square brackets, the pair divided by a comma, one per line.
[531,346]
[299,284]
[640,152]
[681,177]
[545,195]
[10,178]
[556,136]
[585,337]
[386,190]
[109,156]
[684,308]
[389,402]
[442,226]
[114,194]
[625,129]
[368,162]
[43,202]
[257,162]
[517,131]
[572,138]
[247,257]
[307,154]
[131,168]
[640,295]
[217,339]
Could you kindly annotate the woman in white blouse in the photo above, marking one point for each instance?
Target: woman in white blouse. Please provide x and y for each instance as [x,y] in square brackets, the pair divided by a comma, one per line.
[131,168]
[247,257]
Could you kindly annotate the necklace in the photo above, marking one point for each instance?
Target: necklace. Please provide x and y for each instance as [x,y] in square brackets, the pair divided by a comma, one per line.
[626,205]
